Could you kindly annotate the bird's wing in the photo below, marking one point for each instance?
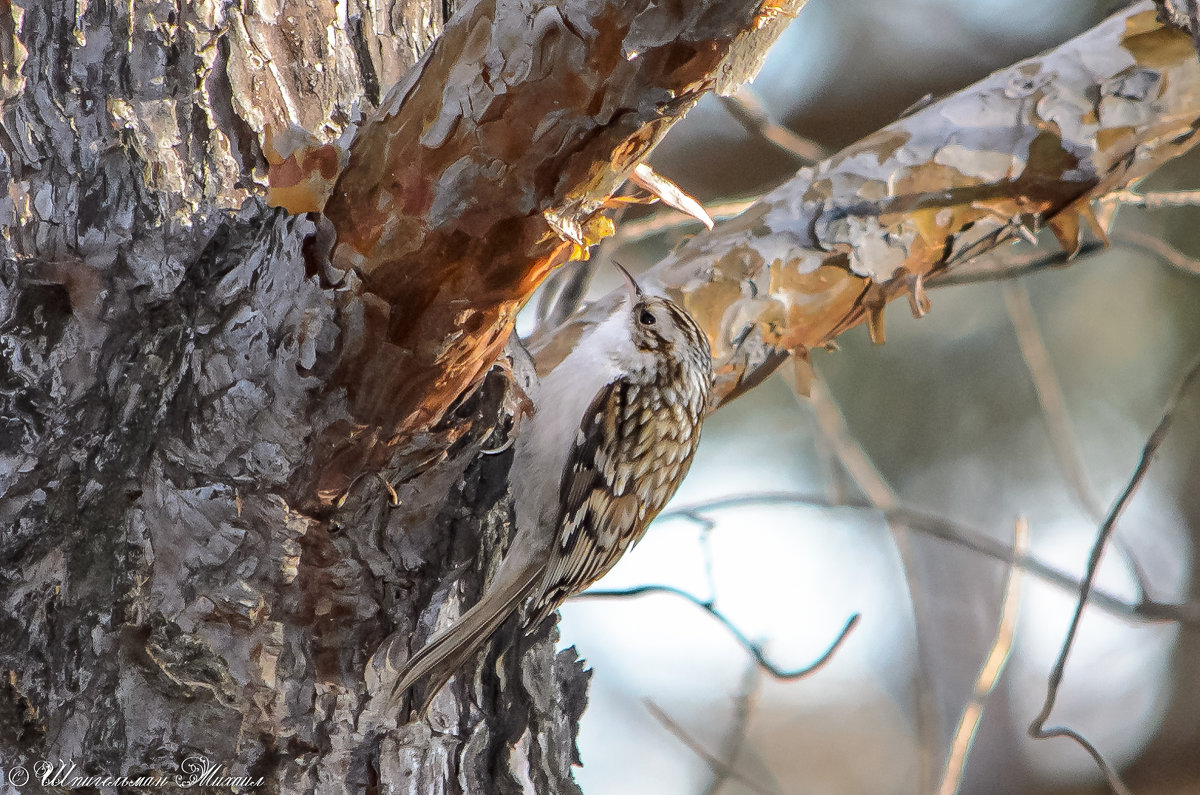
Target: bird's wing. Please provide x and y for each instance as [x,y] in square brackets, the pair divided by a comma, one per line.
[600,514]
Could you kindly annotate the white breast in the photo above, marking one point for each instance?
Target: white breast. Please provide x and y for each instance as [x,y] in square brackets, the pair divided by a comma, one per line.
[545,439]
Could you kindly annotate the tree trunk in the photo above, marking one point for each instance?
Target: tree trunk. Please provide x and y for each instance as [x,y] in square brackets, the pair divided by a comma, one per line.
[167,337]
[235,457]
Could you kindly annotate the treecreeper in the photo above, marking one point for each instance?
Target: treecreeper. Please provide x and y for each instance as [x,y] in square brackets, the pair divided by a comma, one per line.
[614,432]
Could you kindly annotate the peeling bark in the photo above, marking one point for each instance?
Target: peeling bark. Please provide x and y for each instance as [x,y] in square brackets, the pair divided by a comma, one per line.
[488,166]
[1029,146]
[177,354]
[167,350]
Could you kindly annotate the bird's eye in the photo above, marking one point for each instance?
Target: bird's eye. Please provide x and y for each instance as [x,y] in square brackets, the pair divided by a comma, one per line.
[646,318]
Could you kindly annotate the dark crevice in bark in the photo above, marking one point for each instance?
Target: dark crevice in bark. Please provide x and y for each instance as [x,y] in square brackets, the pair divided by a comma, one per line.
[362,55]
[164,370]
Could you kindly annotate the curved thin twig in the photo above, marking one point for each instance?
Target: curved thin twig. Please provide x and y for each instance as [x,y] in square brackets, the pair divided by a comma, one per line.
[939,527]
[752,648]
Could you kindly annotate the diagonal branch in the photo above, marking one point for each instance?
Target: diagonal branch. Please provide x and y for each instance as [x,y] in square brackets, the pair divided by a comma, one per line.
[883,497]
[1053,402]
[989,673]
[751,112]
[724,770]
[1038,729]
[1028,146]
[958,534]
[490,164]
[745,702]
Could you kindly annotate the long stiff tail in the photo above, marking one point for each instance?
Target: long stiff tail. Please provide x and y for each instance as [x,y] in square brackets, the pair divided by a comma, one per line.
[449,649]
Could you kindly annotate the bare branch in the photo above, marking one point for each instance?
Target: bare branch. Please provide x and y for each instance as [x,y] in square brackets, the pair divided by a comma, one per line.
[751,112]
[719,767]
[829,248]
[854,458]
[1160,249]
[1050,397]
[1012,265]
[1038,729]
[958,534]
[881,495]
[754,649]
[1053,404]
[990,672]
[1156,199]
[744,704]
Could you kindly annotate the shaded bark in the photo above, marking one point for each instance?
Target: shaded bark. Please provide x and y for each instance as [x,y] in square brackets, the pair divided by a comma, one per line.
[178,354]
[166,361]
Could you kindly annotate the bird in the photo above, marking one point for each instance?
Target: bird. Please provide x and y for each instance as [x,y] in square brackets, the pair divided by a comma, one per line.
[614,432]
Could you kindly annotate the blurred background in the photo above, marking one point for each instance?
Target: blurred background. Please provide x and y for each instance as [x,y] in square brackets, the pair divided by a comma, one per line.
[948,414]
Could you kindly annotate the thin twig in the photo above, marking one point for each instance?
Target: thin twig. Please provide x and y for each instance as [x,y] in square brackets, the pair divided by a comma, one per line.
[753,649]
[990,672]
[1014,266]
[1063,441]
[717,766]
[1050,397]
[666,219]
[1038,729]
[744,703]
[751,112]
[1160,249]
[1155,200]
[994,269]
[881,495]
[958,534]
[847,449]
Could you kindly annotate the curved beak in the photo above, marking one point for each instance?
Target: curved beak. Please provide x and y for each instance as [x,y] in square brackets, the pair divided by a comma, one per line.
[635,292]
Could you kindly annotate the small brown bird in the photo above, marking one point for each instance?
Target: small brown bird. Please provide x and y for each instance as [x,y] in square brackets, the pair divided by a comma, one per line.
[614,433]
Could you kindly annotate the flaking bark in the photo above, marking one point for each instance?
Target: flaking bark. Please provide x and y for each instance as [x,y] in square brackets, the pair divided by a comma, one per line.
[176,354]
[167,349]
[1030,146]
[490,165]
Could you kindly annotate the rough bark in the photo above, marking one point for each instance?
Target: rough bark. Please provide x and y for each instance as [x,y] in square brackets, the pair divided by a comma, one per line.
[177,354]
[167,354]
[488,166]
[1030,146]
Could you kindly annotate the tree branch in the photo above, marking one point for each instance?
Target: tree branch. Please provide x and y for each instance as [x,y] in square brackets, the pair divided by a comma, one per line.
[1030,145]
[955,533]
[1050,397]
[1038,729]
[724,770]
[989,673]
[753,649]
[489,165]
